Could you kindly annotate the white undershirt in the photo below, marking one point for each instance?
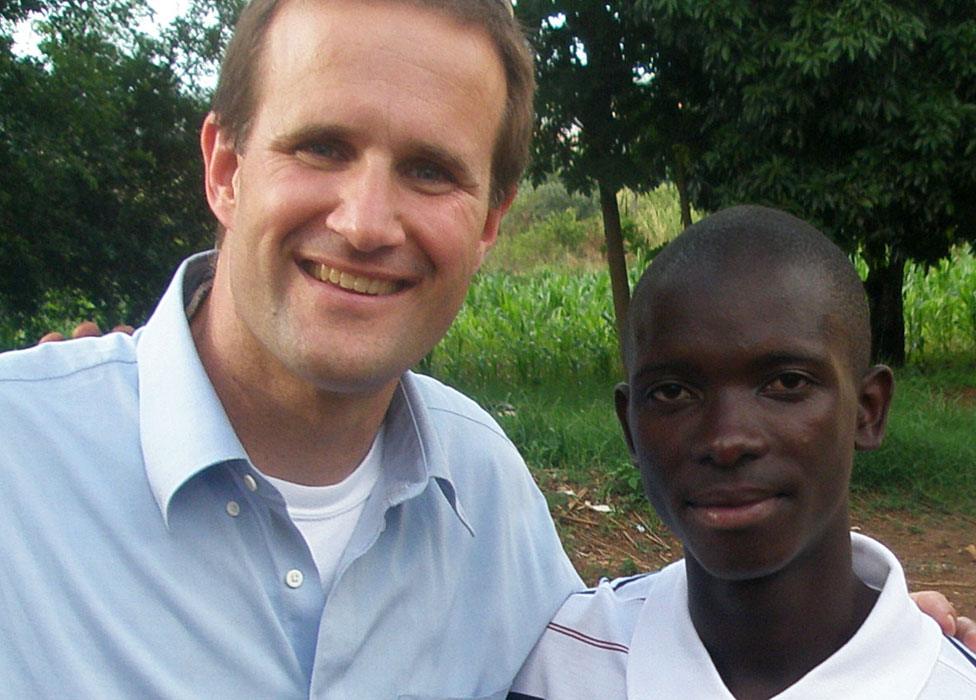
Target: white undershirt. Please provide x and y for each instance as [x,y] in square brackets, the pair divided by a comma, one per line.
[327,515]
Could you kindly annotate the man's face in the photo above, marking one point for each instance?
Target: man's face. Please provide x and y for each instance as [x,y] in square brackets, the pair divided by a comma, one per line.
[358,209]
[742,413]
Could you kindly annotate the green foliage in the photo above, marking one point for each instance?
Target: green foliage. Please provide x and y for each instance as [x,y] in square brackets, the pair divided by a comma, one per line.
[559,237]
[569,425]
[928,455]
[858,114]
[60,310]
[549,227]
[589,106]
[940,307]
[529,329]
[100,185]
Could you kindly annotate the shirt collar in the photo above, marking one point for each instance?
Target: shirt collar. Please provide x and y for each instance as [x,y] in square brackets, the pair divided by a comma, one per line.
[182,423]
[892,654]
[413,451]
[185,430]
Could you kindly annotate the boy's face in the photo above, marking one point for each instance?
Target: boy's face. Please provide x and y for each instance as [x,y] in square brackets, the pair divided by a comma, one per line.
[743,413]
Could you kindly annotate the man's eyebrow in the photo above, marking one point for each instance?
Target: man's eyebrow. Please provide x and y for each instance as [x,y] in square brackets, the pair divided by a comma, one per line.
[436,154]
[308,134]
[414,151]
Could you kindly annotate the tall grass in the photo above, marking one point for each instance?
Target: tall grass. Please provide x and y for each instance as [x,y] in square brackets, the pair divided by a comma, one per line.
[929,455]
[940,308]
[548,327]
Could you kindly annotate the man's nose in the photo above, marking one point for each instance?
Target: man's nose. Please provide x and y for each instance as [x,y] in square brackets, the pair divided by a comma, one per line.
[731,431]
[367,211]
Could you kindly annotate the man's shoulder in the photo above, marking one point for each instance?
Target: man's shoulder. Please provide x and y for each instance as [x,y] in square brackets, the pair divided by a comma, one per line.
[449,406]
[63,361]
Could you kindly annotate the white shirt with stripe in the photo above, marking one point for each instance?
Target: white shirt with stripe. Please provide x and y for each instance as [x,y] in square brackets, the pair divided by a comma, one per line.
[633,638]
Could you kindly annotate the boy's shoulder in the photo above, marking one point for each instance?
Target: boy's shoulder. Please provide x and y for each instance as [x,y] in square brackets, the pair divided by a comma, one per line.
[584,650]
[954,674]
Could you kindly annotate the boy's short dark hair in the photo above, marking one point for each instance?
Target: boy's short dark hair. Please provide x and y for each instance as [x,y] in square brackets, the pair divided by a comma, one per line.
[757,236]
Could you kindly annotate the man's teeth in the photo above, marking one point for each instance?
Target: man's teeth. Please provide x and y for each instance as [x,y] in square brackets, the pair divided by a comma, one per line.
[346,280]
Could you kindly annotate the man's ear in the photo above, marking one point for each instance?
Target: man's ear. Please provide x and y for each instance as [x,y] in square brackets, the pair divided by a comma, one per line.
[873,400]
[493,221]
[621,399]
[220,170]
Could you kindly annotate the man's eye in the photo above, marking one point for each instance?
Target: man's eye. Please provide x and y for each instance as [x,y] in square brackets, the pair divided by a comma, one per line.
[788,382]
[429,173]
[670,392]
[321,151]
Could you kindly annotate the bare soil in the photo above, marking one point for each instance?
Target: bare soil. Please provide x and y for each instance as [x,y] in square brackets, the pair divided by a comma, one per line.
[938,551]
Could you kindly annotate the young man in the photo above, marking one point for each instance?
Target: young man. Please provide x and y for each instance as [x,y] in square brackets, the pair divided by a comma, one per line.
[749,389]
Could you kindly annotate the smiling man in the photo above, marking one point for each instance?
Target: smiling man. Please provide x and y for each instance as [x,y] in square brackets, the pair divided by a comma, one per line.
[252,496]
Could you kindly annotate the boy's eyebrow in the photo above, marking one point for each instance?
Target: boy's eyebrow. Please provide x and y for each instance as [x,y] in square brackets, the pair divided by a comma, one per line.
[762,362]
[678,367]
[775,359]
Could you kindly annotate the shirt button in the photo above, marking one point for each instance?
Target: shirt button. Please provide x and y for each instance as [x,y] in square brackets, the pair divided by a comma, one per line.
[233,509]
[250,483]
[294,578]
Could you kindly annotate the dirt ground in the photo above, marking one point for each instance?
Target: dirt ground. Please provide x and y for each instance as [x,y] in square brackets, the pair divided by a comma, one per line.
[937,551]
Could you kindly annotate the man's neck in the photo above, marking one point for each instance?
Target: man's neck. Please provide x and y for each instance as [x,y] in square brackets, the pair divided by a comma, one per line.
[763,635]
[290,429]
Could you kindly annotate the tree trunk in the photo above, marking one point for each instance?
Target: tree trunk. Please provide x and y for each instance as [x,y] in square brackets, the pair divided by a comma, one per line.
[681,158]
[615,257]
[884,287]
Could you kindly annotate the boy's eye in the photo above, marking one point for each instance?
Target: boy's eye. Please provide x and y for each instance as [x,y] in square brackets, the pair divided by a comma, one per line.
[670,392]
[788,382]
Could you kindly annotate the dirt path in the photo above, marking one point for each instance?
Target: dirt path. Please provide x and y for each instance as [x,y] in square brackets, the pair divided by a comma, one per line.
[938,551]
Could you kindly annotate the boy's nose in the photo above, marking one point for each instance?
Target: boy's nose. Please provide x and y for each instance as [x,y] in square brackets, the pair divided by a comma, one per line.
[730,432]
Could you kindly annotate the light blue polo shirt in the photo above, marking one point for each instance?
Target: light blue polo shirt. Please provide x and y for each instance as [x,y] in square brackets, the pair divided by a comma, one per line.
[142,555]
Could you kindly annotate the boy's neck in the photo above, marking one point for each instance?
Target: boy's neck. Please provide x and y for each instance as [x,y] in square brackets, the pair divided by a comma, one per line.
[764,634]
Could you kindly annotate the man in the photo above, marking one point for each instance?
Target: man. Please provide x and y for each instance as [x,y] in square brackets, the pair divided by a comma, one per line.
[749,389]
[252,496]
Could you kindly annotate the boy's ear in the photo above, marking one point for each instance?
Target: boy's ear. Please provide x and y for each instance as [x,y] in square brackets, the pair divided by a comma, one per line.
[621,398]
[873,401]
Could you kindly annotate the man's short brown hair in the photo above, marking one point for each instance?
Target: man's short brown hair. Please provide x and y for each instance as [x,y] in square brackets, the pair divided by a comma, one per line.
[235,99]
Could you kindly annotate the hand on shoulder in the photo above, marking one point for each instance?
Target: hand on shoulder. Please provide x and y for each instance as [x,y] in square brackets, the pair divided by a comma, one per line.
[938,607]
[85,329]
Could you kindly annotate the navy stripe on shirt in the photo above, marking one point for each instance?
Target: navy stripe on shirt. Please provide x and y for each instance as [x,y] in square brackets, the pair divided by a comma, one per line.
[968,655]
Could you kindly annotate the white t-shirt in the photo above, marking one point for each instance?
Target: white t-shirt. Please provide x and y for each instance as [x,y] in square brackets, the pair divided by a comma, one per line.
[633,638]
[327,515]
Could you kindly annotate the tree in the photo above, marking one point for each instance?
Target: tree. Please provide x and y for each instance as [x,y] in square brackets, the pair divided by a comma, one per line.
[592,95]
[857,114]
[100,184]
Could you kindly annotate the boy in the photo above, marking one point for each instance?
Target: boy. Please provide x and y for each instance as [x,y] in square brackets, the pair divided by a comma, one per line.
[749,389]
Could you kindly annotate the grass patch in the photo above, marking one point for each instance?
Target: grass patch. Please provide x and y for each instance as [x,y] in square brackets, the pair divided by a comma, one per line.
[929,456]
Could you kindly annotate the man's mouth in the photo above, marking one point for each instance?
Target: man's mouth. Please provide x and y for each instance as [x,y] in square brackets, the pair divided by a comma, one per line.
[371,286]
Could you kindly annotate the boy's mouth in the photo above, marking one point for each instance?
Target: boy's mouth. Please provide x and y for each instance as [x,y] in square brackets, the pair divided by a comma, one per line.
[733,509]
